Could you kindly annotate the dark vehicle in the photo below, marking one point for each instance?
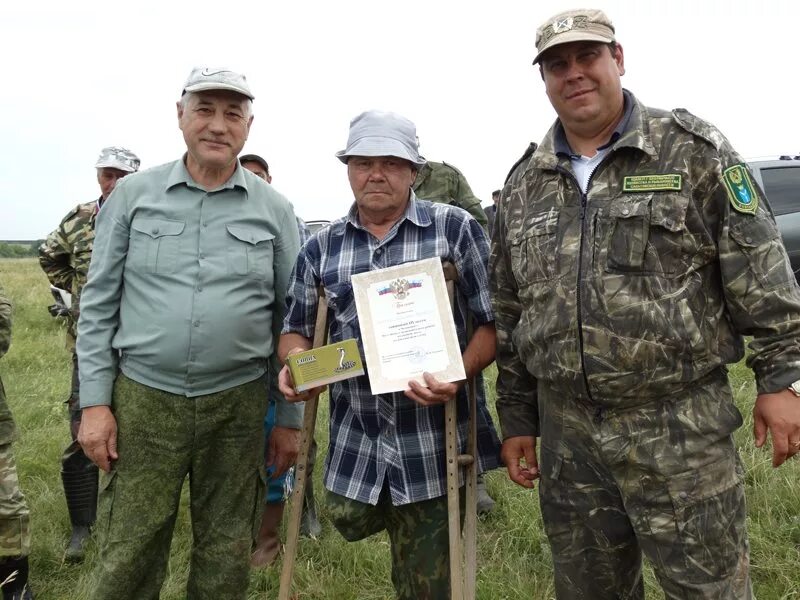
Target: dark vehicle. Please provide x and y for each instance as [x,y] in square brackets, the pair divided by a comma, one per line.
[780,180]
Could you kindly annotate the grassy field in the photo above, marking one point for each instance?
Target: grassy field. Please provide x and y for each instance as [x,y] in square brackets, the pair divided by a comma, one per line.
[513,555]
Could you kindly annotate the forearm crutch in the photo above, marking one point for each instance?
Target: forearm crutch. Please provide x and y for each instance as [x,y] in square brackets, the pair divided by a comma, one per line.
[462,579]
[301,469]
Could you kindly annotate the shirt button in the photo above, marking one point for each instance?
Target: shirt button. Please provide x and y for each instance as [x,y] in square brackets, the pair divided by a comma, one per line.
[378,251]
[683,495]
[196,323]
[199,288]
[625,211]
[749,240]
[205,224]
[155,230]
[202,256]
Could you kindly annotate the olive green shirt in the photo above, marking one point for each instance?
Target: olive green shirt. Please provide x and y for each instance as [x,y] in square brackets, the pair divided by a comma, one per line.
[443,183]
[186,287]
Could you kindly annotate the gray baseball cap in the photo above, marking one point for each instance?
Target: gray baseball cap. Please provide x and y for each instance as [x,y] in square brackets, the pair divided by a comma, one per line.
[578,25]
[378,133]
[115,157]
[205,78]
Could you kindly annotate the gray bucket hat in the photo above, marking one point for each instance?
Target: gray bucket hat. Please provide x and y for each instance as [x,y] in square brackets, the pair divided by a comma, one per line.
[378,133]
[205,78]
[115,157]
[578,25]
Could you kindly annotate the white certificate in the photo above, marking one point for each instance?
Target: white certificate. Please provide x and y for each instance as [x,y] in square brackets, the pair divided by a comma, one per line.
[407,325]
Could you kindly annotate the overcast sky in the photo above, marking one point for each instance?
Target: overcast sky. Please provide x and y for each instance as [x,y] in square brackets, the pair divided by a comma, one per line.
[77,76]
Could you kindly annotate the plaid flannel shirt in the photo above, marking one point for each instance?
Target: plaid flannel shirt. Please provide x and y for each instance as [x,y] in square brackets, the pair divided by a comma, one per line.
[375,438]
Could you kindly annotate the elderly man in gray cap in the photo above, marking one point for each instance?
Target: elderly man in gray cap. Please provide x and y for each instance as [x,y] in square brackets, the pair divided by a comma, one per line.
[386,460]
[64,257]
[185,298]
[632,251]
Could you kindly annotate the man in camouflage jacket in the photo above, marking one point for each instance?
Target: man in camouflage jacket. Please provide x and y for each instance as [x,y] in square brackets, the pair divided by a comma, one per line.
[15,533]
[65,257]
[632,252]
[440,182]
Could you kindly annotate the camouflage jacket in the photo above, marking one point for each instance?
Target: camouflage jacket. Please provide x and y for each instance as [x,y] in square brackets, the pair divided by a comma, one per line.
[65,256]
[440,182]
[6,421]
[641,287]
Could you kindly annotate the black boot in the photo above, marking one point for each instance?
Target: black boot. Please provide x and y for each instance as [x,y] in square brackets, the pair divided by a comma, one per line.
[14,578]
[79,476]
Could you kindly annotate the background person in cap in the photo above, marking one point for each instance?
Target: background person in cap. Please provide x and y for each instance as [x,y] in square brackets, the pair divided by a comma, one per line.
[64,257]
[186,288]
[279,488]
[15,528]
[632,252]
[378,443]
[490,210]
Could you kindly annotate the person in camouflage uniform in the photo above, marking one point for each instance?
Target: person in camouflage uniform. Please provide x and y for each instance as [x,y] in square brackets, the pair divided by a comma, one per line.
[440,182]
[64,257]
[15,533]
[632,252]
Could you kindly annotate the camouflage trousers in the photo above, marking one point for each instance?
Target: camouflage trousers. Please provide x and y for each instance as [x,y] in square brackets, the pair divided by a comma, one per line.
[663,479]
[418,538]
[217,440]
[15,531]
[73,458]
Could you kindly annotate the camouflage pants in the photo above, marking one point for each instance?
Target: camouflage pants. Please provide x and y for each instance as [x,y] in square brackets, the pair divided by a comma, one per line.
[663,479]
[418,537]
[217,440]
[15,533]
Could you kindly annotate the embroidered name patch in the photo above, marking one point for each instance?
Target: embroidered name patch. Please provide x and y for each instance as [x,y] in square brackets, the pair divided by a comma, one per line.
[651,183]
[740,189]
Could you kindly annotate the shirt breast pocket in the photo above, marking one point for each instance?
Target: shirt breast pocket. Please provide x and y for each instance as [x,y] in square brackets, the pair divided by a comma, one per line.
[250,250]
[534,250]
[155,244]
[647,234]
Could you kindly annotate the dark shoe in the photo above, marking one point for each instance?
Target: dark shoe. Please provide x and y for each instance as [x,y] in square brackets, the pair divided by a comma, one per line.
[309,523]
[77,542]
[485,502]
[14,578]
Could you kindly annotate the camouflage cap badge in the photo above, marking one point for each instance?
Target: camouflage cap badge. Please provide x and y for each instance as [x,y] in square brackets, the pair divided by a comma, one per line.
[740,189]
[116,157]
[203,78]
[579,25]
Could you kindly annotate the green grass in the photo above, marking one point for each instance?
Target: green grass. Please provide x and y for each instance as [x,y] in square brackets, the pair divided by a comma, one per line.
[513,555]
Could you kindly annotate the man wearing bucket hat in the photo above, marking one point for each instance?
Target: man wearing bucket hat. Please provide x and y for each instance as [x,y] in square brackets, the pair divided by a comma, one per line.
[64,257]
[632,251]
[185,294]
[386,459]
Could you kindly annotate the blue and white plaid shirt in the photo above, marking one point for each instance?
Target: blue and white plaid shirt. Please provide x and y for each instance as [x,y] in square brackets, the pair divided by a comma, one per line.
[388,436]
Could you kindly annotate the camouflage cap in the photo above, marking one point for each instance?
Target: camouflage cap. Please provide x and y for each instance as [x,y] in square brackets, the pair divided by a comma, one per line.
[378,133]
[116,157]
[578,25]
[204,78]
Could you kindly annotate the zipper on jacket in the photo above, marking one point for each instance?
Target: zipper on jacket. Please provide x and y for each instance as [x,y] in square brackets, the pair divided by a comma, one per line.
[580,273]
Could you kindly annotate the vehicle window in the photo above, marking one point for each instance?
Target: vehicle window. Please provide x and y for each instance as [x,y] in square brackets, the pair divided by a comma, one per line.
[782,186]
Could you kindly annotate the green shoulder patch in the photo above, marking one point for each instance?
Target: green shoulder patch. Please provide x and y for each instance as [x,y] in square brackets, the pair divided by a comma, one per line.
[652,183]
[740,189]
